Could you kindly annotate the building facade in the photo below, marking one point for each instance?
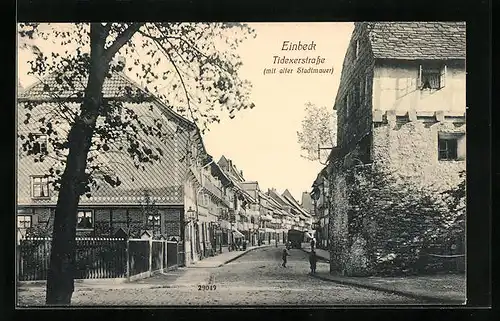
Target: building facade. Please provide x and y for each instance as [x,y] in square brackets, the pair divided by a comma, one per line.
[401,110]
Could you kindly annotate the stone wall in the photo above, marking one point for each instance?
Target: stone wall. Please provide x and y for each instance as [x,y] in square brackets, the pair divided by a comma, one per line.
[410,150]
[385,214]
[353,125]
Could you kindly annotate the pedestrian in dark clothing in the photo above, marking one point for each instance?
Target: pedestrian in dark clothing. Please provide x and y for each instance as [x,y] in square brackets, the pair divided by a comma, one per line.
[313,244]
[285,255]
[312,261]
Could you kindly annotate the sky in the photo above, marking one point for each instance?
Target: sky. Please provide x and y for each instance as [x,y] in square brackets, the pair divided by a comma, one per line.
[262,142]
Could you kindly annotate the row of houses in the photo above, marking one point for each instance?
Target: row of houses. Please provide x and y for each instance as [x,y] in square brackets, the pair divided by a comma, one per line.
[187,196]
[401,109]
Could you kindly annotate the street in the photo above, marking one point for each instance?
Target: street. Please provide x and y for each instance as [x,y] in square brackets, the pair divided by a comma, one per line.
[256,278]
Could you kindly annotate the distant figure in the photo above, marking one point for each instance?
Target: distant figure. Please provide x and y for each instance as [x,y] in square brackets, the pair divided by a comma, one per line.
[312,261]
[285,254]
[288,245]
[313,244]
[276,242]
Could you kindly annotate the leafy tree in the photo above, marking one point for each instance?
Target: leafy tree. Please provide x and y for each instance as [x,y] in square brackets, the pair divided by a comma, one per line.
[191,67]
[319,129]
[396,218]
[453,223]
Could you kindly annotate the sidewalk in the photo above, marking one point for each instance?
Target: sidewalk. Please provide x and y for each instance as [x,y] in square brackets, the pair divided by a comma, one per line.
[223,258]
[180,276]
[323,255]
[444,289]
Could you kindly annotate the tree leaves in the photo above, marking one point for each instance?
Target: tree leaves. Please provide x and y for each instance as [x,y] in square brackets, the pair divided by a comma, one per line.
[206,79]
[319,128]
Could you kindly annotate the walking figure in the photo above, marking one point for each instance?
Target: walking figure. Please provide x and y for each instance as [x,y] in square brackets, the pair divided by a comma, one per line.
[312,261]
[313,243]
[285,254]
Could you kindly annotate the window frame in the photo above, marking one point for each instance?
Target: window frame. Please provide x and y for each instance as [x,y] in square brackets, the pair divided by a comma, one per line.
[432,69]
[347,104]
[30,221]
[92,218]
[446,138]
[41,184]
[37,139]
[356,49]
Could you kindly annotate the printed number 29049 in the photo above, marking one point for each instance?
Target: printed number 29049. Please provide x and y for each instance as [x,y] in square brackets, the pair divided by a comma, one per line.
[209,287]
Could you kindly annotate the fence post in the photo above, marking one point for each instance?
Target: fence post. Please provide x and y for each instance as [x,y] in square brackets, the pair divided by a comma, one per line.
[166,254]
[150,256]
[127,254]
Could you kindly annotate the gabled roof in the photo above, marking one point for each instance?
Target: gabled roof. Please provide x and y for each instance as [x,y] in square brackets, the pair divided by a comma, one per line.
[163,179]
[278,198]
[417,40]
[288,196]
[228,166]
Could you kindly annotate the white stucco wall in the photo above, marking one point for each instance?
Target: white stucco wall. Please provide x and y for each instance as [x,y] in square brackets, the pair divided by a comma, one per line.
[395,88]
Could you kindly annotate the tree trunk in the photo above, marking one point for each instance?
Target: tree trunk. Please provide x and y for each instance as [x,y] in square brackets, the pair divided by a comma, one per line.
[60,278]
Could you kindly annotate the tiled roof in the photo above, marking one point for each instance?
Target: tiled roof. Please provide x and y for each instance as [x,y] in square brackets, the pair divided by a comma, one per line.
[164,179]
[417,40]
[294,203]
[51,87]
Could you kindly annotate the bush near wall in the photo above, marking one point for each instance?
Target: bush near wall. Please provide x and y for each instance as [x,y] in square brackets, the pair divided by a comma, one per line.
[393,227]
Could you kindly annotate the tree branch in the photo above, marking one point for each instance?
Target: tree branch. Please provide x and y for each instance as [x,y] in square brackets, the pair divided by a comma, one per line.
[160,46]
[121,39]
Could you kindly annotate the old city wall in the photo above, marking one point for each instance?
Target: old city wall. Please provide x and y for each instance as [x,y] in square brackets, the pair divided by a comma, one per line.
[384,213]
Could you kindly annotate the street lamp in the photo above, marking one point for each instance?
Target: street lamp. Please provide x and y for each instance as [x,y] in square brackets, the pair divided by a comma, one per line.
[190,213]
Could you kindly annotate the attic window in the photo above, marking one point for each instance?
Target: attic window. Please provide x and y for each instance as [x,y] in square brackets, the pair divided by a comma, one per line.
[432,77]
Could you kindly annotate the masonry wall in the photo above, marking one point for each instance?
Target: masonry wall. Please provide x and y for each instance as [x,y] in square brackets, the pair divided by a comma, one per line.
[411,151]
[356,123]
[370,223]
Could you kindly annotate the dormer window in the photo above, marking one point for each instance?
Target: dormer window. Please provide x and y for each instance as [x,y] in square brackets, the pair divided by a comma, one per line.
[432,76]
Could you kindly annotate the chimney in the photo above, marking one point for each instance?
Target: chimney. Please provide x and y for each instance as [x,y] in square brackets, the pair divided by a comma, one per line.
[241,173]
[118,63]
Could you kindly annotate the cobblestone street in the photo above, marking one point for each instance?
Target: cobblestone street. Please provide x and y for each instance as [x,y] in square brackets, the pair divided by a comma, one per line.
[256,278]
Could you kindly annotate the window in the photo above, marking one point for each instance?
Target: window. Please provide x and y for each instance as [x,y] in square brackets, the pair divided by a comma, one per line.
[85,220]
[346,105]
[356,49]
[154,222]
[367,83]
[357,94]
[24,221]
[451,146]
[432,77]
[40,187]
[40,143]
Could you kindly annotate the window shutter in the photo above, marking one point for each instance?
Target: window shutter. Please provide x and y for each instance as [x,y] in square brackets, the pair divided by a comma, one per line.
[442,81]
[419,80]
